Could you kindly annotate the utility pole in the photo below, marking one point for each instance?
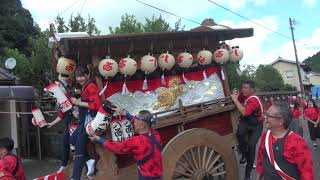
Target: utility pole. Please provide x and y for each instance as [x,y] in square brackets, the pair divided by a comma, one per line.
[293,23]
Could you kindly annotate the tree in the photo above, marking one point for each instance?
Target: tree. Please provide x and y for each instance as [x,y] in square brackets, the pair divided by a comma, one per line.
[77,24]
[156,25]
[268,78]
[91,27]
[235,79]
[23,68]
[178,26]
[16,27]
[61,27]
[314,62]
[128,24]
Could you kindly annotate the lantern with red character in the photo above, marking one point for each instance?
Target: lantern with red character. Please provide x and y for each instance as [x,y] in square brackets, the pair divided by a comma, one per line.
[204,57]
[184,60]
[236,54]
[127,67]
[148,65]
[108,68]
[166,62]
[65,67]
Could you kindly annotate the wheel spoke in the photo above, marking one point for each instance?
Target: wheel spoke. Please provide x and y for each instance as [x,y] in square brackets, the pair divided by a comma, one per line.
[215,168]
[213,162]
[183,173]
[194,159]
[208,160]
[189,162]
[218,174]
[185,167]
[204,157]
[199,157]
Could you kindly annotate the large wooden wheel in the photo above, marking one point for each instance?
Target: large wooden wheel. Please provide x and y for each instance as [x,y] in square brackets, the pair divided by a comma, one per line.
[199,154]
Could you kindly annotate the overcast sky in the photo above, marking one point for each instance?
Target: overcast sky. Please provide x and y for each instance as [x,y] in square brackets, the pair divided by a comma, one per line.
[264,47]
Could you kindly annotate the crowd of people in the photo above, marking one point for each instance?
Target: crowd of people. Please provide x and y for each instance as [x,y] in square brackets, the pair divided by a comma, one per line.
[282,153]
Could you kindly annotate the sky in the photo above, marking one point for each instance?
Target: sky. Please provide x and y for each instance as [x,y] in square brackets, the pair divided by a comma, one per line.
[263,48]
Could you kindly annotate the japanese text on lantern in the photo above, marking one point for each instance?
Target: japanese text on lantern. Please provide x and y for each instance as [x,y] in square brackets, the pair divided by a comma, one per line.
[118,132]
[219,54]
[179,59]
[107,66]
[70,67]
[122,63]
[202,59]
[165,57]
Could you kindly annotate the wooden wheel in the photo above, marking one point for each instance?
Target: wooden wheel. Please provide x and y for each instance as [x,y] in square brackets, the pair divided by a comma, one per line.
[199,154]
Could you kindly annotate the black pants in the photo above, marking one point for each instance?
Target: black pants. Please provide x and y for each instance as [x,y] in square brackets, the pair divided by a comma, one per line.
[66,136]
[248,137]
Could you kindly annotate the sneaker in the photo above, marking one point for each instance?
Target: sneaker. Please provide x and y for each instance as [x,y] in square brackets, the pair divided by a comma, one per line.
[247,178]
[90,165]
[243,160]
[72,148]
[254,166]
[315,145]
[62,168]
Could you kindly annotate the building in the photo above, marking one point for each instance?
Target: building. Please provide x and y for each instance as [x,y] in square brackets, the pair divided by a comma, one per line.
[14,111]
[289,72]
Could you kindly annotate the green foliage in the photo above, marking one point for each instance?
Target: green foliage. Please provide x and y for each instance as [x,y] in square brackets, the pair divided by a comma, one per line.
[268,78]
[234,78]
[16,27]
[128,24]
[77,24]
[314,62]
[23,68]
[156,25]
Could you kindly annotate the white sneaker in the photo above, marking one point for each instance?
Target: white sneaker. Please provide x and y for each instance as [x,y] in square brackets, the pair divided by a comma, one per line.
[61,169]
[90,165]
[72,147]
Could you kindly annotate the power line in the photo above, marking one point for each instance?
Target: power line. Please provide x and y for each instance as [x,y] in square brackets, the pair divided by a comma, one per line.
[169,12]
[69,7]
[82,6]
[249,20]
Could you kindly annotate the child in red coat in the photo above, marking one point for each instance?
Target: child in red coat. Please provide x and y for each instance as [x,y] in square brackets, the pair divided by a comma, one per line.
[295,124]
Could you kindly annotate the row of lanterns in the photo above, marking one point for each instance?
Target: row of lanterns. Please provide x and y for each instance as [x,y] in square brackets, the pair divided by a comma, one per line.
[128,66]
[108,67]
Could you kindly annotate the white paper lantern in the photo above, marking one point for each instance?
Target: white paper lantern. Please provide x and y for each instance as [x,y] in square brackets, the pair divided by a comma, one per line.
[221,56]
[236,54]
[184,60]
[204,57]
[127,66]
[166,61]
[108,67]
[66,66]
[148,64]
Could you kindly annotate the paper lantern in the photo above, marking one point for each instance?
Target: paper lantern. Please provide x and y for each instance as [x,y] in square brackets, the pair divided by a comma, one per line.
[166,61]
[236,54]
[62,100]
[221,56]
[127,66]
[204,57]
[148,64]
[38,118]
[108,68]
[66,66]
[184,60]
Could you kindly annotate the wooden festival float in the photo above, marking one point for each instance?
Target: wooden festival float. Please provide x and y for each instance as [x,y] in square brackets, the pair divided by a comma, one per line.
[195,115]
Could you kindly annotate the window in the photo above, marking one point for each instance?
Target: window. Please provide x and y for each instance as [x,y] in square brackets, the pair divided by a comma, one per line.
[289,74]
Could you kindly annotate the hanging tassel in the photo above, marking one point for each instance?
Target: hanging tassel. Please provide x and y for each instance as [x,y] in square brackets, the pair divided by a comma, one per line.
[104,89]
[163,80]
[124,87]
[145,84]
[204,75]
[222,74]
[184,78]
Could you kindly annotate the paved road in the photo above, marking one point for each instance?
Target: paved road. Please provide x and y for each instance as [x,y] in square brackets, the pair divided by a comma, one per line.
[35,168]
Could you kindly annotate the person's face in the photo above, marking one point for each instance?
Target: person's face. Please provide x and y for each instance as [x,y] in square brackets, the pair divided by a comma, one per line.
[310,104]
[82,80]
[271,120]
[3,151]
[138,124]
[246,89]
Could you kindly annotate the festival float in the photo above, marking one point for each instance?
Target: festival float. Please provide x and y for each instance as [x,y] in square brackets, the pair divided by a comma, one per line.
[180,77]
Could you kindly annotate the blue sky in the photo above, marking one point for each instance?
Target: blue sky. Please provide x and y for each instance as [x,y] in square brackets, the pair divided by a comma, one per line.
[264,47]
